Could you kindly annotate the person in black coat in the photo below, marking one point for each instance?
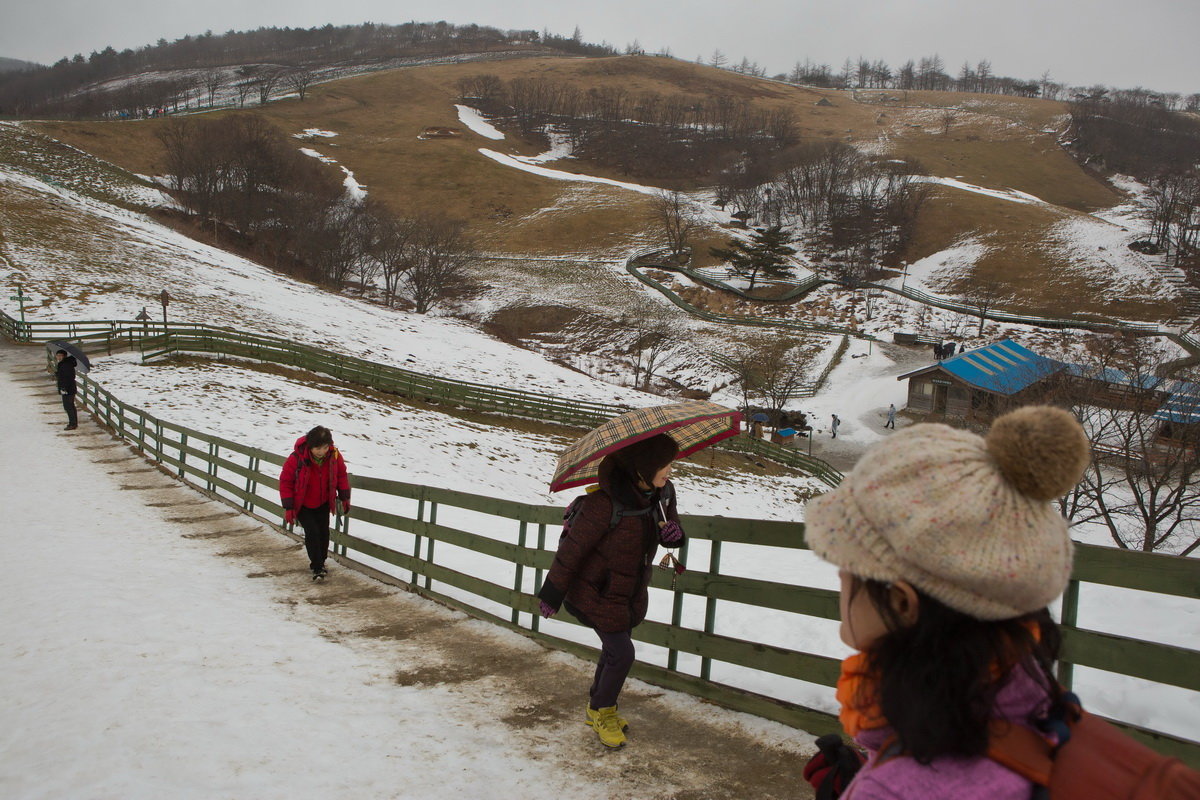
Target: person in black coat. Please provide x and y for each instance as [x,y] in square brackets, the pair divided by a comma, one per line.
[65,374]
[603,566]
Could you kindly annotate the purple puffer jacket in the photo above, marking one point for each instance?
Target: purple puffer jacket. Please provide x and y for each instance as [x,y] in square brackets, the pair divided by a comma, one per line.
[949,778]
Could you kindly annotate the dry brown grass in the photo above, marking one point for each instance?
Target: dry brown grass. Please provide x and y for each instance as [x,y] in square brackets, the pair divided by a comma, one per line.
[1038,279]
[994,141]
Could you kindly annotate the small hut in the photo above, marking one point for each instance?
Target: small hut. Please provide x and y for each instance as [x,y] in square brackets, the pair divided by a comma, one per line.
[980,384]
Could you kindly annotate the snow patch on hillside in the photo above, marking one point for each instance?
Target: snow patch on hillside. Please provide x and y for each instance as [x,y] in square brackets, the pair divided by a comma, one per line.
[559,175]
[308,151]
[476,122]
[933,272]
[1100,249]
[214,287]
[1011,195]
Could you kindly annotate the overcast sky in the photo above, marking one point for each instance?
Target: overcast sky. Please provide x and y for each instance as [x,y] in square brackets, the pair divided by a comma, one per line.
[1122,43]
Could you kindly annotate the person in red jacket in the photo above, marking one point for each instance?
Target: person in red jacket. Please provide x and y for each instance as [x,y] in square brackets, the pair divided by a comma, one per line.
[603,565]
[312,481]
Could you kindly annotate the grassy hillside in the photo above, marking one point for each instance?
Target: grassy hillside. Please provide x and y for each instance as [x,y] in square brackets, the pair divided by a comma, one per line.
[986,140]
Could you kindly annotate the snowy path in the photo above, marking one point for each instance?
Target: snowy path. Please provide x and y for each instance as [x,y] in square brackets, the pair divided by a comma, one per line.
[159,644]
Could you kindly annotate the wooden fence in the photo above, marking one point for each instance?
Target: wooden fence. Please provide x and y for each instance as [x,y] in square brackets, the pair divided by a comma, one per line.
[488,556]
[156,341]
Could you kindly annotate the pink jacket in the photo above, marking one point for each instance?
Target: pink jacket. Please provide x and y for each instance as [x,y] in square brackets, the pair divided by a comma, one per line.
[902,778]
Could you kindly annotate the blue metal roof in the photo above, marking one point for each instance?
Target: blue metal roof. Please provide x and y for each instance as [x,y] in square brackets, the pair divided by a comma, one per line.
[1183,406]
[1118,377]
[1003,367]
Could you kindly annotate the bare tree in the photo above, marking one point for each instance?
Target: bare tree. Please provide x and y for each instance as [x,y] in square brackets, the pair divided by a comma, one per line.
[1143,484]
[300,79]
[243,89]
[265,83]
[212,80]
[652,334]
[768,371]
[983,295]
[946,120]
[442,250]
[393,246]
[677,220]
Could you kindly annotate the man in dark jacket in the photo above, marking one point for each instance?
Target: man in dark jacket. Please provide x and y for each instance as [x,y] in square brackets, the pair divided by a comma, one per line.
[65,374]
[602,570]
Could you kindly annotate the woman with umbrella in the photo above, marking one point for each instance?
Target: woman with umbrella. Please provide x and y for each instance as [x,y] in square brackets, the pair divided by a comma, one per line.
[605,557]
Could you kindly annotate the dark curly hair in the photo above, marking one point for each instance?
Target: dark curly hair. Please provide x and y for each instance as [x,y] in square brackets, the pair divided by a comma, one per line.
[937,677]
[318,436]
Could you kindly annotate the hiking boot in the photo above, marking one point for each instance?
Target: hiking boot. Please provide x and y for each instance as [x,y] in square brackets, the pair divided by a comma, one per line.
[592,713]
[604,722]
[70,427]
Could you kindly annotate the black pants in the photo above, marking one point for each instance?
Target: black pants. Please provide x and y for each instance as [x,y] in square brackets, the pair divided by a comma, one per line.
[616,659]
[315,522]
[69,406]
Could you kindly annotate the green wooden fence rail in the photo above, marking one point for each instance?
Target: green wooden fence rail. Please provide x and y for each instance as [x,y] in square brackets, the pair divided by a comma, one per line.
[397,525]
[156,341]
[646,258]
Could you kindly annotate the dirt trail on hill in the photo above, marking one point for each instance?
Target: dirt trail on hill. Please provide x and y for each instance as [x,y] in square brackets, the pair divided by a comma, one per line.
[679,747]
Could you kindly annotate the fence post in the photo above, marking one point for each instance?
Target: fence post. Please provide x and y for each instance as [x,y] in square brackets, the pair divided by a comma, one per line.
[182,452]
[251,485]
[210,469]
[1068,618]
[677,612]
[158,441]
[710,606]
[417,542]
[520,570]
[429,542]
[537,574]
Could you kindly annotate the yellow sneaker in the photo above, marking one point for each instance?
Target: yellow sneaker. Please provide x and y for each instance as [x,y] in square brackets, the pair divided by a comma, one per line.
[591,714]
[605,722]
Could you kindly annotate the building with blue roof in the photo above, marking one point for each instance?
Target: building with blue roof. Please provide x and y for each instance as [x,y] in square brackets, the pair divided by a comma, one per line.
[981,383]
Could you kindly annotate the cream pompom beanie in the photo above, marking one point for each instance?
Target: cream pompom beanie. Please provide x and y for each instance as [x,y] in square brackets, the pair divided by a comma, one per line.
[966,520]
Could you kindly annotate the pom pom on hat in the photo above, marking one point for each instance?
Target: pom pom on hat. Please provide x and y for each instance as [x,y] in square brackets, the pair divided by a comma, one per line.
[963,519]
[1040,450]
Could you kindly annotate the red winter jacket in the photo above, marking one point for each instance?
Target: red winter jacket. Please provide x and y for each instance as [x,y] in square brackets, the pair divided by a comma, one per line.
[303,483]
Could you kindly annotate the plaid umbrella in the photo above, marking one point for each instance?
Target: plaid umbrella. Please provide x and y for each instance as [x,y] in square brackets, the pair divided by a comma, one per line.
[693,425]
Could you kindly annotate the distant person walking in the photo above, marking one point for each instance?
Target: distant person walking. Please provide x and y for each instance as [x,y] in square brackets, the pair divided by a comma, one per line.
[64,374]
[313,480]
[891,418]
[835,425]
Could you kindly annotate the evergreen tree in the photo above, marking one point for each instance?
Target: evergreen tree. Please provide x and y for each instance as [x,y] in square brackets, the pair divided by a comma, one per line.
[765,255]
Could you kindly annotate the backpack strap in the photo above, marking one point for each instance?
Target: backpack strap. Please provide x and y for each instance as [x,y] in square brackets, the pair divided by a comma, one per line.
[619,511]
[1021,750]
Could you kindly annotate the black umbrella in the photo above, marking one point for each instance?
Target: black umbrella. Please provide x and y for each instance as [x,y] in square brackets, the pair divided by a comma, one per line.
[82,362]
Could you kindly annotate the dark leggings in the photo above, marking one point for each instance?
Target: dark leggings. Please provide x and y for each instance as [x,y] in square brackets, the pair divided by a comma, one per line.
[69,407]
[315,522]
[616,659]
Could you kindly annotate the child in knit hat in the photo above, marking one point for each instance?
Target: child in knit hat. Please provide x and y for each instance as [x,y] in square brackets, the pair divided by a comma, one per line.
[949,548]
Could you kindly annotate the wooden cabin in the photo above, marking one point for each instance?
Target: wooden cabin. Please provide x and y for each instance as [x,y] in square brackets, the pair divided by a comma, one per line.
[982,383]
